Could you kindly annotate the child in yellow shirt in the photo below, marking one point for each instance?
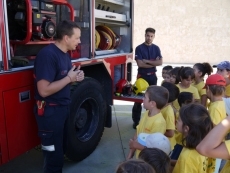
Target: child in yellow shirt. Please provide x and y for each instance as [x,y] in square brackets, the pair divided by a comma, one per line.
[168,112]
[194,123]
[215,86]
[200,69]
[165,73]
[152,121]
[184,98]
[213,145]
[223,69]
[187,75]
[174,75]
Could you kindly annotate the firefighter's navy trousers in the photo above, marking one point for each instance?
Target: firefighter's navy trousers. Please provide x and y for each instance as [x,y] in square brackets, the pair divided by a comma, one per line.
[53,134]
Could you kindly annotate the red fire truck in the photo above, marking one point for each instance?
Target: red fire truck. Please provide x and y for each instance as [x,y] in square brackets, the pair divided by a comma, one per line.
[105,55]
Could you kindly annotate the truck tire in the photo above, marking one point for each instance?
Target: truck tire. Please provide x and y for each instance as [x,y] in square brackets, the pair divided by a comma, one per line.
[87,119]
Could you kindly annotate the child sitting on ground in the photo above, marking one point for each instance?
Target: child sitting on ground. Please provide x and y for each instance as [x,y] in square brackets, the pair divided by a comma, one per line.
[154,100]
[165,73]
[168,112]
[135,166]
[174,75]
[158,159]
[215,86]
[184,98]
[223,68]
[194,123]
[187,75]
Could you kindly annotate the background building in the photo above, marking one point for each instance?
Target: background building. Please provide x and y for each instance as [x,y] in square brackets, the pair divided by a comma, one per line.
[186,31]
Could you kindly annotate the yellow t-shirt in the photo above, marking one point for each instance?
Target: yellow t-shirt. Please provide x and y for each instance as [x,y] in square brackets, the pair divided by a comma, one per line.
[226,168]
[200,88]
[190,89]
[151,125]
[227,90]
[190,161]
[178,136]
[217,111]
[169,117]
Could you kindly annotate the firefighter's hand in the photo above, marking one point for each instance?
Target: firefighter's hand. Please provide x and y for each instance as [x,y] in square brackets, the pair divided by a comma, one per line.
[80,76]
[75,74]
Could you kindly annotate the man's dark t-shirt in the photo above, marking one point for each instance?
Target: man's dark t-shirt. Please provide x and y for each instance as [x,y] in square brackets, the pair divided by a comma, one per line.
[151,52]
[52,64]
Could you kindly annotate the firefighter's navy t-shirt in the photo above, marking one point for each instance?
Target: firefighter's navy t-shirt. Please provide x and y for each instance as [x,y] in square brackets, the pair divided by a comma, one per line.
[151,52]
[52,64]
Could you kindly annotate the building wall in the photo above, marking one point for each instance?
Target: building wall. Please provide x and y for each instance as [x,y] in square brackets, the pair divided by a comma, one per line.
[186,31]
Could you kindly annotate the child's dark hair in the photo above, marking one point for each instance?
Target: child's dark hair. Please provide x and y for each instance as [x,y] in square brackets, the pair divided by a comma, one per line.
[204,68]
[217,90]
[175,72]
[185,98]
[172,89]
[158,94]
[198,120]
[167,67]
[186,72]
[158,159]
[135,166]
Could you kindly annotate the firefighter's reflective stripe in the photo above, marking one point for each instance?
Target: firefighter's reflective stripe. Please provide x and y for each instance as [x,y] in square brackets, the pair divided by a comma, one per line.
[48,148]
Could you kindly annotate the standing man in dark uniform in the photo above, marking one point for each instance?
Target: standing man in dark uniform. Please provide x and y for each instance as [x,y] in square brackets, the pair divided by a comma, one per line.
[54,73]
[147,56]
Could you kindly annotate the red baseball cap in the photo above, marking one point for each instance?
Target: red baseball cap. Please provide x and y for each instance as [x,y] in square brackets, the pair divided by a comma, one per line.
[215,79]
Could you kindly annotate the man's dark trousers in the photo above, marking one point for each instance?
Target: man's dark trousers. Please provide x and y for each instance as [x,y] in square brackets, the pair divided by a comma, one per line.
[53,133]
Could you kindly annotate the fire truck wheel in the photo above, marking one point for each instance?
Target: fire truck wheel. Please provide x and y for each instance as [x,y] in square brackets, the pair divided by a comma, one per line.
[87,118]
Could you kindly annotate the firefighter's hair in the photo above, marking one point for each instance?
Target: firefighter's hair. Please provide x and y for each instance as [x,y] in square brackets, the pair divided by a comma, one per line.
[152,30]
[65,27]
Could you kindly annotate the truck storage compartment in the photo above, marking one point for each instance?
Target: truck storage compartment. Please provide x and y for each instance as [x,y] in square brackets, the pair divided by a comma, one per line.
[113,33]
[19,118]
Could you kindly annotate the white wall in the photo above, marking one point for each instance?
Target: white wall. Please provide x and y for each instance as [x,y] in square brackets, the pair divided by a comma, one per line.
[186,31]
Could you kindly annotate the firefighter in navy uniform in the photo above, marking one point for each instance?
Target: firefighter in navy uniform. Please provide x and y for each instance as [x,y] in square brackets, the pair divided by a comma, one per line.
[147,56]
[53,75]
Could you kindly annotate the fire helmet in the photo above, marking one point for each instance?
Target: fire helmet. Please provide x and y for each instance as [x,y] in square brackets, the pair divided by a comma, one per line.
[140,86]
[120,85]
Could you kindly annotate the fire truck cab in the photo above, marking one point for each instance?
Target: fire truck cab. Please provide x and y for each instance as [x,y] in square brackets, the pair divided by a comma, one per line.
[105,55]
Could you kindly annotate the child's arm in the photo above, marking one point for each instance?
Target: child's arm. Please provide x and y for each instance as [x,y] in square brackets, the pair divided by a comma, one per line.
[169,133]
[131,150]
[133,145]
[212,145]
[204,100]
